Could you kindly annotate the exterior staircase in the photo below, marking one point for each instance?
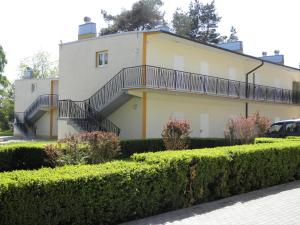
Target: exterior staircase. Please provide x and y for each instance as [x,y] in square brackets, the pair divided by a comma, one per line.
[91,114]
[25,121]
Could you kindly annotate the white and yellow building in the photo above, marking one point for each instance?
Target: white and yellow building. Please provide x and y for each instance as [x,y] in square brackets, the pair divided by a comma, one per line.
[132,83]
[36,111]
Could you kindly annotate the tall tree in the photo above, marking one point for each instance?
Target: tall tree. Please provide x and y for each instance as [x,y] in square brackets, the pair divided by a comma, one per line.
[233,35]
[182,23]
[201,22]
[6,96]
[7,107]
[41,65]
[143,15]
[2,60]
[3,80]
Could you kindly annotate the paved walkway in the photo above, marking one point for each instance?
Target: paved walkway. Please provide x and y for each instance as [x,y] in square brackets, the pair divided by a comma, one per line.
[278,205]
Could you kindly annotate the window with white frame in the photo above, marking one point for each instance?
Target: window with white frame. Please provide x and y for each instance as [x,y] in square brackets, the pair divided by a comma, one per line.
[102,58]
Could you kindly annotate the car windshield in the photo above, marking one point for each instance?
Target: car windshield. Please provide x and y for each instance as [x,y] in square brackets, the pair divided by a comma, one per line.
[276,128]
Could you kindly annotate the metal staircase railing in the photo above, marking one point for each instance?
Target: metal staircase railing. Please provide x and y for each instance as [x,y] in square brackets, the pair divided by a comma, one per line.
[173,80]
[25,120]
[84,117]
[42,101]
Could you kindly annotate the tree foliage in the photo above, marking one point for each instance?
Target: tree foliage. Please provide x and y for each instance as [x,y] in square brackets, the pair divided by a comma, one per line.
[200,22]
[2,60]
[233,35]
[6,96]
[143,15]
[41,65]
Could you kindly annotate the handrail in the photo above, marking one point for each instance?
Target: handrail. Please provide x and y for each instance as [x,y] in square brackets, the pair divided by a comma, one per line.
[87,119]
[25,118]
[146,76]
[168,79]
[49,100]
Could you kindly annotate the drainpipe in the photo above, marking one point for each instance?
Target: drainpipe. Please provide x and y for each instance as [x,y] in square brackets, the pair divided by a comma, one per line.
[247,81]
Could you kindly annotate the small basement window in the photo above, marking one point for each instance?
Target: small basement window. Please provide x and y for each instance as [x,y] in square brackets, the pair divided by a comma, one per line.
[102,58]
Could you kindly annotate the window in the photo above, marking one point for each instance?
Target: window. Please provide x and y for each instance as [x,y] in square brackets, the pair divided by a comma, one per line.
[102,58]
[276,128]
[33,87]
[291,128]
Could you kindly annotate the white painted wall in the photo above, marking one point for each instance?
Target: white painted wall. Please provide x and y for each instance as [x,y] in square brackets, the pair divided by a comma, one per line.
[79,75]
[24,97]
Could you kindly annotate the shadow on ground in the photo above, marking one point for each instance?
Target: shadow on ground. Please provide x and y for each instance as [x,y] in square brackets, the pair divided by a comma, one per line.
[208,207]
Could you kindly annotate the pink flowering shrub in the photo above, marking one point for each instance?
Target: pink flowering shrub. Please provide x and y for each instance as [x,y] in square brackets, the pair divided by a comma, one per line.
[244,130]
[85,148]
[175,134]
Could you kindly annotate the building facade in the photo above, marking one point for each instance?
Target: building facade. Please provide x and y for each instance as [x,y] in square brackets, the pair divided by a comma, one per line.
[36,111]
[132,83]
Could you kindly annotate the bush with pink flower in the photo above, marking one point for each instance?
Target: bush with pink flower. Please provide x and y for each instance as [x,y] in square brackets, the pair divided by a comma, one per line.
[244,130]
[176,133]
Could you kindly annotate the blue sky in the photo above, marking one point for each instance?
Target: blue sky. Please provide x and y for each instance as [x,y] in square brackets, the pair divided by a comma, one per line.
[32,25]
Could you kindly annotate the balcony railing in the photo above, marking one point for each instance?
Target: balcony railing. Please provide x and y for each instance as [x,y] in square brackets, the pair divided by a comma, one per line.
[174,80]
[171,80]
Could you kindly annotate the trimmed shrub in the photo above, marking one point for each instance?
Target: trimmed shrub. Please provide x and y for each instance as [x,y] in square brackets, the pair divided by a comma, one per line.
[85,148]
[152,183]
[23,156]
[175,134]
[129,147]
[88,194]
[276,140]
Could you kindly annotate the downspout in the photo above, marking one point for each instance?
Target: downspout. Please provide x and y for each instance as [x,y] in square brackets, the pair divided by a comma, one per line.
[247,81]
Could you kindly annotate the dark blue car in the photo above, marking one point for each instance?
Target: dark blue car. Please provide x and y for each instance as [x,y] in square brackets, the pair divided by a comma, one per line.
[284,128]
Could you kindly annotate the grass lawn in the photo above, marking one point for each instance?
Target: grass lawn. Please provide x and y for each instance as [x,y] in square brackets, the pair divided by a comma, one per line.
[6,133]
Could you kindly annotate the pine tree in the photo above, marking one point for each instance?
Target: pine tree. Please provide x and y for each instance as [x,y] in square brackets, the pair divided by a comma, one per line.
[144,15]
[233,37]
[201,22]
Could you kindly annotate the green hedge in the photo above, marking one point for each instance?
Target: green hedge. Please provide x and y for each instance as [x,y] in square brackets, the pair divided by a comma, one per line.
[149,184]
[22,156]
[276,140]
[129,147]
[18,156]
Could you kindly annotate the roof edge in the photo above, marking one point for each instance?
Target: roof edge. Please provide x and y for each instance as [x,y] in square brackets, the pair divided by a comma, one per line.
[230,51]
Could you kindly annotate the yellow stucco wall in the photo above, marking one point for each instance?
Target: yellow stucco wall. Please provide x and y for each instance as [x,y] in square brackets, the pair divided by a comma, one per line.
[79,75]
[176,53]
[128,119]
[205,113]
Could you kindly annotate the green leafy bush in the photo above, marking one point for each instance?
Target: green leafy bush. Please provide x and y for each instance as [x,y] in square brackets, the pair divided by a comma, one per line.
[23,156]
[88,194]
[85,148]
[151,183]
